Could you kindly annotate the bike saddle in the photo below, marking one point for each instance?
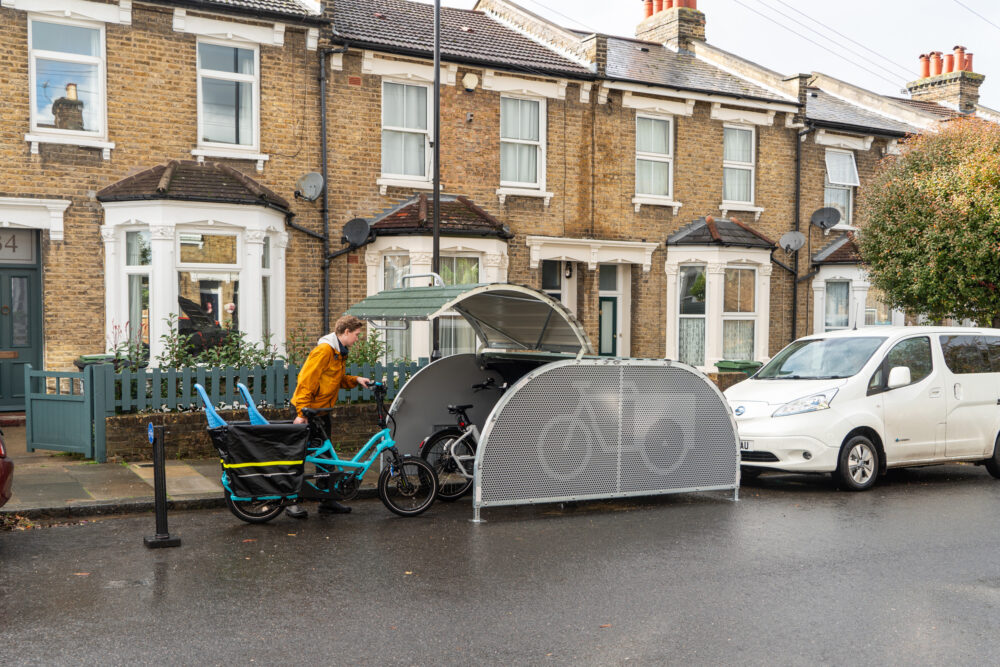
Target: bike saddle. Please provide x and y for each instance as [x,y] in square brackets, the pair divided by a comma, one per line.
[458,408]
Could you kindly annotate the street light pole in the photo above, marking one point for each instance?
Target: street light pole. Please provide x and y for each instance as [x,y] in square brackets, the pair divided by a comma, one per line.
[436,195]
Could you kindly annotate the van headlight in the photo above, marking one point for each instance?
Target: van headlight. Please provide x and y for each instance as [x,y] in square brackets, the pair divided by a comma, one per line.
[820,401]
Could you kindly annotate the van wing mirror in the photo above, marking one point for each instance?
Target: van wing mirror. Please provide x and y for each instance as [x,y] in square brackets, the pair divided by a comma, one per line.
[899,377]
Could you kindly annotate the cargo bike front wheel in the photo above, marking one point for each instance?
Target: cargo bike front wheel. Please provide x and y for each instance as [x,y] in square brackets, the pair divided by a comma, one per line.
[407,486]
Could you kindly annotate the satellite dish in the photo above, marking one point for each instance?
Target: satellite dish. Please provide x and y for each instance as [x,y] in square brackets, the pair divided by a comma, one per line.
[792,241]
[309,186]
[825,217]
[356,232]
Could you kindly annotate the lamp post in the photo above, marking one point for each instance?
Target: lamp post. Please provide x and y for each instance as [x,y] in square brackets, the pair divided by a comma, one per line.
[436,184]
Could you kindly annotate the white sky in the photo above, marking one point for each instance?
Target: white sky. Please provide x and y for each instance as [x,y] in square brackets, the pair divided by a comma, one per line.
[899,30]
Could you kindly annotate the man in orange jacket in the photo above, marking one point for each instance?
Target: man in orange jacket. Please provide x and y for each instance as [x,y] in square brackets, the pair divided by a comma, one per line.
[319,383]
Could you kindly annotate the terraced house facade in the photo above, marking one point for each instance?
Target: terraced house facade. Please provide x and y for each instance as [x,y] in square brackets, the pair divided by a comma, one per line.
[152,149]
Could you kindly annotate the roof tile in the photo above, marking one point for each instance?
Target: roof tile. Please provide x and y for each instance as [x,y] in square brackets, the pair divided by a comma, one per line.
[459,215]
[821,106]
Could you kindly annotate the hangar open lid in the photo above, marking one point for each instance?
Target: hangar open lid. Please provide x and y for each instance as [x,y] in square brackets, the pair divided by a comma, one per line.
[504,316]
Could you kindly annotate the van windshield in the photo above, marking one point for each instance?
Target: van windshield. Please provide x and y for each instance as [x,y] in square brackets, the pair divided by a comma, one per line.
[820,359]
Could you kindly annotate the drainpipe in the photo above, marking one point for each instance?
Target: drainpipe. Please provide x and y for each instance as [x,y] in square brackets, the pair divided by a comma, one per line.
[324,170]
[798,224]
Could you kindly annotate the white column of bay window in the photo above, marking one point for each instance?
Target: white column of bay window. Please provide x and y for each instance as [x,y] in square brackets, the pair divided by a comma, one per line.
[715,287]
[113,285]
[250,306]
[672,324]
[279,246]
[163,301]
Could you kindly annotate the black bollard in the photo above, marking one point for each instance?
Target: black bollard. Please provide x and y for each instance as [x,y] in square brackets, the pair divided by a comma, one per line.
[162,537]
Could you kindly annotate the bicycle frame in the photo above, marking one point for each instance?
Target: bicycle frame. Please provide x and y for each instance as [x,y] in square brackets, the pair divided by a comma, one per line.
[357,467]
[473,431]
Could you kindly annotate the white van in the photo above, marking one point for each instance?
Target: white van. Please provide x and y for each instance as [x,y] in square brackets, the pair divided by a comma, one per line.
[854,403]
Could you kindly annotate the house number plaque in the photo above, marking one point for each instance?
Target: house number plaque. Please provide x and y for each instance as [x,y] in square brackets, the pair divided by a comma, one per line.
[17,246]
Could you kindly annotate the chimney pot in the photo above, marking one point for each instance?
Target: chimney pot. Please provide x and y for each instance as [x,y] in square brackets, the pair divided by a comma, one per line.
[70,91]
[693,4]
[657,6]
[647,9]
[968,62]
[925,65]
[935,63]
[959,58]
[949,63]
[668,4]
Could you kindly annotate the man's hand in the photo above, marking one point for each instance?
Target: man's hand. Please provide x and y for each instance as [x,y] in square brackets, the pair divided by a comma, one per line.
[299,420]
[365,382]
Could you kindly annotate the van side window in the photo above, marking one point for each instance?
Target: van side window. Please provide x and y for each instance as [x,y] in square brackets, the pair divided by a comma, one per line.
[965,354]
[915,354]
[993,352]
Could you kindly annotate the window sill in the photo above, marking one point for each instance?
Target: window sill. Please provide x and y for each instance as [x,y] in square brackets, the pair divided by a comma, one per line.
[728,206]
[259,158]
[650,200]
[504,192]
[840,227]
[35,139]
[385,183]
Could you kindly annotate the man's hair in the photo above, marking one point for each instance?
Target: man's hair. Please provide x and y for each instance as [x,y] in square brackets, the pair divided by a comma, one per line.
[348,323]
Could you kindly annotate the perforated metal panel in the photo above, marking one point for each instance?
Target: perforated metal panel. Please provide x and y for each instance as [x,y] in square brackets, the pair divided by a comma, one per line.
[574,430]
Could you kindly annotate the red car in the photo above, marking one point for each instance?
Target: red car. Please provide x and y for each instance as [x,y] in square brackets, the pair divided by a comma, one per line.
[6,472]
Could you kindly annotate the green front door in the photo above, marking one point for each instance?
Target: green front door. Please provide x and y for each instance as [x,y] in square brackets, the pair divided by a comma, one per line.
[20,332]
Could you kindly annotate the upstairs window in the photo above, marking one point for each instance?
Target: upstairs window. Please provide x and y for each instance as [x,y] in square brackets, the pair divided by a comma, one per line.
[738,165]
[228,89]
[405,139]
[522,142]
[839,182]
[66,74]
[653,157]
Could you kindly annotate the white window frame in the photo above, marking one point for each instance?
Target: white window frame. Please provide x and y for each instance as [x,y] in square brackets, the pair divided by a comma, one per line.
[740,316]
[404,180]
[745,166]
[198,267]
[677,311]
[133,270]
[847,223]
[540,162]
[101,61]
[214,146]
[656,157]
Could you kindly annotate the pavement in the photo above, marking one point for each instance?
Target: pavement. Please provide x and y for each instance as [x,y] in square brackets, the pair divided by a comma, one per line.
[55,484]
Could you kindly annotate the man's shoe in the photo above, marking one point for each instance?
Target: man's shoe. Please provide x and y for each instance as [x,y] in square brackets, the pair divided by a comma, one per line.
[296,511]
[333,507]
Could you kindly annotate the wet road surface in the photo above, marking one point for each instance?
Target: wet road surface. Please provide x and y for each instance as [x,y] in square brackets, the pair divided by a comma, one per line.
[796,572]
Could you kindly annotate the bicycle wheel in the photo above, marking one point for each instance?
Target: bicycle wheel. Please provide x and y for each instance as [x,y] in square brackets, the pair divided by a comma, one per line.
[408,486]
[452,484]
[254,511]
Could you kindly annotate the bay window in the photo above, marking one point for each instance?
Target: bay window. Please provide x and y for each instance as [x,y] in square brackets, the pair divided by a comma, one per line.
[739,314]
[838,298]
[457,335]
[691,316]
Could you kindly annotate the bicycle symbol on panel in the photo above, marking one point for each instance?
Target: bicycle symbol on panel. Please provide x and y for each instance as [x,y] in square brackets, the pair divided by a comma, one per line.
[565,444]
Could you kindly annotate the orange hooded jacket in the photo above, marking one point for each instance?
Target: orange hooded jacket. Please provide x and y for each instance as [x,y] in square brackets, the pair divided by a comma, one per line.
[323,376]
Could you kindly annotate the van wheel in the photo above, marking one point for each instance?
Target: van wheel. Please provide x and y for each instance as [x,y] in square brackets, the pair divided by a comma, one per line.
[858,464]
[993,463]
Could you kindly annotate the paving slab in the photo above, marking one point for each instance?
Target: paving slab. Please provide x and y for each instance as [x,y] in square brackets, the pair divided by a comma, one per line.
[181,478]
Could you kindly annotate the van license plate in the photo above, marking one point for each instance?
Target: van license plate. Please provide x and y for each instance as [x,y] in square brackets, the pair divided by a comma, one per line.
[746,445]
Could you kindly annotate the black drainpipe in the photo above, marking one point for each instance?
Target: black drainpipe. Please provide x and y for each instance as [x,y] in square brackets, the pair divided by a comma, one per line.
[325,210]
[800,137]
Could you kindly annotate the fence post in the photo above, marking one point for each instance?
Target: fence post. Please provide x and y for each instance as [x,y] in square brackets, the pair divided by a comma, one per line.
[28,390]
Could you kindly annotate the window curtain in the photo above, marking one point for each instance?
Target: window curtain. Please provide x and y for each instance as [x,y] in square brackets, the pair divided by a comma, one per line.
[652,177]
[841,168]
[519,120]
[138,308]
[736,184]
[691,341]
[839,198]
[404,153]
[652,136]
[737,145]
[837,295]
[737,339]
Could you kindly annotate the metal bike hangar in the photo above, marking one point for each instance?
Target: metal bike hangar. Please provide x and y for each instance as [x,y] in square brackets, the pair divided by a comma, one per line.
[571,425]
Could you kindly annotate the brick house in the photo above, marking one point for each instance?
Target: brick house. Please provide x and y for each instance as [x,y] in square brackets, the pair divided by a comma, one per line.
[645,182]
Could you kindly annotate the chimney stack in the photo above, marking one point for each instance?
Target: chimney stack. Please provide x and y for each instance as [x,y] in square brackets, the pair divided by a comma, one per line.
[674,21]
[949,80]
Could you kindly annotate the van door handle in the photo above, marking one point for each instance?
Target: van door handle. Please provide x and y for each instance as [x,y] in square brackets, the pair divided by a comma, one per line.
[936,393]
[958,391]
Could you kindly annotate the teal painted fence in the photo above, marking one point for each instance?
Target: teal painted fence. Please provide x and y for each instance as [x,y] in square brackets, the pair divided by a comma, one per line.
[66,411]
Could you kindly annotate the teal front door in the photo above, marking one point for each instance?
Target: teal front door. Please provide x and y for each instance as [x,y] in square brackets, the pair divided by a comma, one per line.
[20,332]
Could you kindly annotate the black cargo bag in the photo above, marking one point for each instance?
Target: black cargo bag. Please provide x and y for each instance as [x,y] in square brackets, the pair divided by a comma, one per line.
[262,461]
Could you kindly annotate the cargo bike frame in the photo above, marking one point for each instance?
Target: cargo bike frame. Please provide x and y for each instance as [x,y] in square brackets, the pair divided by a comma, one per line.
[407,485]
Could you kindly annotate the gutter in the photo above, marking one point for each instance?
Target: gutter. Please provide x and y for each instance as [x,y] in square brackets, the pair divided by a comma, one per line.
[858,129]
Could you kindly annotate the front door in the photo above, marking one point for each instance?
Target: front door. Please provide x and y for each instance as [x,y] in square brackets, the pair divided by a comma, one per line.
[20,332]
